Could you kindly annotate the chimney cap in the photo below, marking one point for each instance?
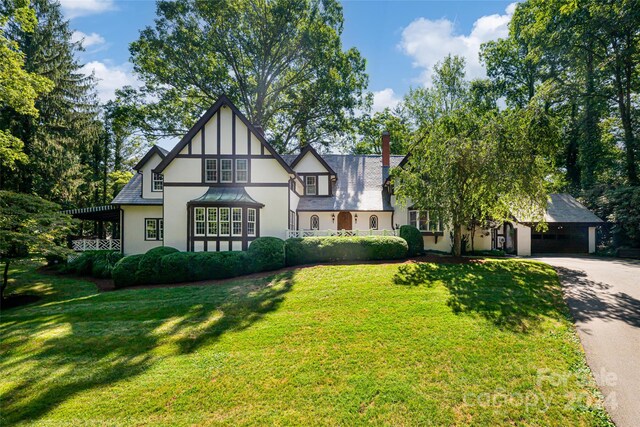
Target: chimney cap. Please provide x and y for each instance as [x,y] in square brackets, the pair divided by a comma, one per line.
[385,133]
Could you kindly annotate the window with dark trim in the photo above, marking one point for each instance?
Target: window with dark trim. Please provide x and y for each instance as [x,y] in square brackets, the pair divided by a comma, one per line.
[236,221]
[424,222]
[157,182]
[199,222]
[242,170]
[212,221]
[311,185]
[292,220]
[373,222]
[224,217]
[153,229]
[226,170]
[251,222]
[211,170]
[314,222]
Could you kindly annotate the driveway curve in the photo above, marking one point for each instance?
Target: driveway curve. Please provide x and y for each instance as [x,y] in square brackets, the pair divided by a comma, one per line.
[604,298]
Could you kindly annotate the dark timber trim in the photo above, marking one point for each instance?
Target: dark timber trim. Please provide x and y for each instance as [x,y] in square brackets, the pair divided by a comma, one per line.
[208,241]
[223,100]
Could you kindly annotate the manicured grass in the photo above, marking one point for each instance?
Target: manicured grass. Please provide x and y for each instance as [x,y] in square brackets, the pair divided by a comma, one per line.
[398,344]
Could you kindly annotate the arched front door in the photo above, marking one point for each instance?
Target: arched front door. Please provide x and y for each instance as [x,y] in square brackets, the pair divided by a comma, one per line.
[344,221]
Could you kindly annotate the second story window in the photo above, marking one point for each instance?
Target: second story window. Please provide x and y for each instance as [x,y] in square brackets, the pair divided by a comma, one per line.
[242,170]
[226,170]
[211,170]
[157,182]
[311,185]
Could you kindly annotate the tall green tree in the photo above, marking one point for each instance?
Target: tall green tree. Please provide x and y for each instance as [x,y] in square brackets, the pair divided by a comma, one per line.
[471,164]
[280,61]
[19,88]
[29,225]
[371,126]
[60,142]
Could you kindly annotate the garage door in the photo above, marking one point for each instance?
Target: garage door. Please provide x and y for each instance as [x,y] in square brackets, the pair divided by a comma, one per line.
[561,239]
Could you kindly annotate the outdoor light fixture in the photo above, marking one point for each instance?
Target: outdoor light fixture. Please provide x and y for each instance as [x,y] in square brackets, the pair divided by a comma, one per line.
[333,217]
[356,218]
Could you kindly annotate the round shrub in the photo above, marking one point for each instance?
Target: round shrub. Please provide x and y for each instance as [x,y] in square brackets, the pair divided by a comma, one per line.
[176,267]
[328,249]
[124,272]
[414,239]
[266,254]
[149,266]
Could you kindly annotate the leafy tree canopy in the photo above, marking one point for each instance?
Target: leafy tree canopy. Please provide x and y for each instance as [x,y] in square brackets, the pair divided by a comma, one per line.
[280,61]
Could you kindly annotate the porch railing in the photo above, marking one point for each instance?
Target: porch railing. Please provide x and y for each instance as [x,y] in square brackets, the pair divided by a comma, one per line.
[313,233]
[95,245]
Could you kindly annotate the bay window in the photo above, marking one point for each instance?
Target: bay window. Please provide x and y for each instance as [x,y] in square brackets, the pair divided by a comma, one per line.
[424,222]
[236,221]
[224,222]
[251,222]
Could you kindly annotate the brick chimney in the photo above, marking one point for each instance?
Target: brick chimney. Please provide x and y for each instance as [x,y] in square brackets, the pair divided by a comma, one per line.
[386,150]
[386,155]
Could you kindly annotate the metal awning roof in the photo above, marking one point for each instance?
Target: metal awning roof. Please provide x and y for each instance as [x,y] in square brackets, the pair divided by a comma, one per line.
[226,196]
[96,213]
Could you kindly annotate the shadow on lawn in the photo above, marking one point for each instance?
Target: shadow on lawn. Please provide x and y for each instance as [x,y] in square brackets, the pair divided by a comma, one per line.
[513,295]
[112,337]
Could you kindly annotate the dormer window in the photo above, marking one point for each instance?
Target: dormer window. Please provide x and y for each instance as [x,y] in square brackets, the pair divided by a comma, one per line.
[157,183]
[311,185]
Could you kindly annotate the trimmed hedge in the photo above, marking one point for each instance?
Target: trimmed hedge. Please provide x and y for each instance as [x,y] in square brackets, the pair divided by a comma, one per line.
[124,272]
[327,249]
[414,239]
[97,264]
[149,266]
[195,266]
[267,253]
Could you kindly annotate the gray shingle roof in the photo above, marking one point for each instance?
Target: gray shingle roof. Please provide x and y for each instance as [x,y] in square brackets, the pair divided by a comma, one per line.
[564,208]
[359,185]
[131,194]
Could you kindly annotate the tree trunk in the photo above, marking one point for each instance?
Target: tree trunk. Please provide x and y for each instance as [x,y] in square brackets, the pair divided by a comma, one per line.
[5,279]
[457,240]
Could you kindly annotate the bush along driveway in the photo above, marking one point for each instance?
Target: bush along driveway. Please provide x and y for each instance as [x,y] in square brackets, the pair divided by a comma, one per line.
[604,297]
[484,344]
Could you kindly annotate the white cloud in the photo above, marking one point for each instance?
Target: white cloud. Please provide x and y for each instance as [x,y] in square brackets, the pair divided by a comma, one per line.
[75,8]
[385,98]
[88,40]
[110,77]
[429,41]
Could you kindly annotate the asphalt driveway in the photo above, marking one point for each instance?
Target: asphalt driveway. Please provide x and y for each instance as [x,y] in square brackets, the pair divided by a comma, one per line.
[604,298]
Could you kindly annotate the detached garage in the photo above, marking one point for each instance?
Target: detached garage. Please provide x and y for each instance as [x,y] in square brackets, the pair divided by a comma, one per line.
[571,228]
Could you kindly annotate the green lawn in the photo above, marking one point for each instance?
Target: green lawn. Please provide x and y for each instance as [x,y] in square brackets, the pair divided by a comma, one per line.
[398,344]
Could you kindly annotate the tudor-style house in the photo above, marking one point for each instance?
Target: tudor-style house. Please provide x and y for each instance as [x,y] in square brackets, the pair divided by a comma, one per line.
[223,185]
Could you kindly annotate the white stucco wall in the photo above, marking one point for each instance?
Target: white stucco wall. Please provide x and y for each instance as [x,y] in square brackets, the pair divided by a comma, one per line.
[147,177]
[326,223]
[310,163]
[524,239]
[592,240]
[134,228]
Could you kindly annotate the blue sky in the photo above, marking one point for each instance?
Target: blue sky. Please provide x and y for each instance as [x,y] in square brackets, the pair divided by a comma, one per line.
[401,40]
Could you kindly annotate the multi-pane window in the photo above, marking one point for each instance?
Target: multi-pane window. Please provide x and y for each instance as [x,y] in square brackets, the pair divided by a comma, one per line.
[157,182]
[315,222]
[226,170]
[292,220]
[211,170]
[153,229]
[199,222]
[373,222]
[242,170]
[236,221]
[224,224]
[422,221]
[251,222]
[311,185]
[212,221]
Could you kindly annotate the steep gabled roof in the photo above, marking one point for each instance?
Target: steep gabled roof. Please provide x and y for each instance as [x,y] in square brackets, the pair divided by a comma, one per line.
[564,208]
[223,100]
[131,193]
[309,149]
[154,150]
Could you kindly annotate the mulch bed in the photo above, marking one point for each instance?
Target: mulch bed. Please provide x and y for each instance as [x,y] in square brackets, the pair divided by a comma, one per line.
[106,285]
